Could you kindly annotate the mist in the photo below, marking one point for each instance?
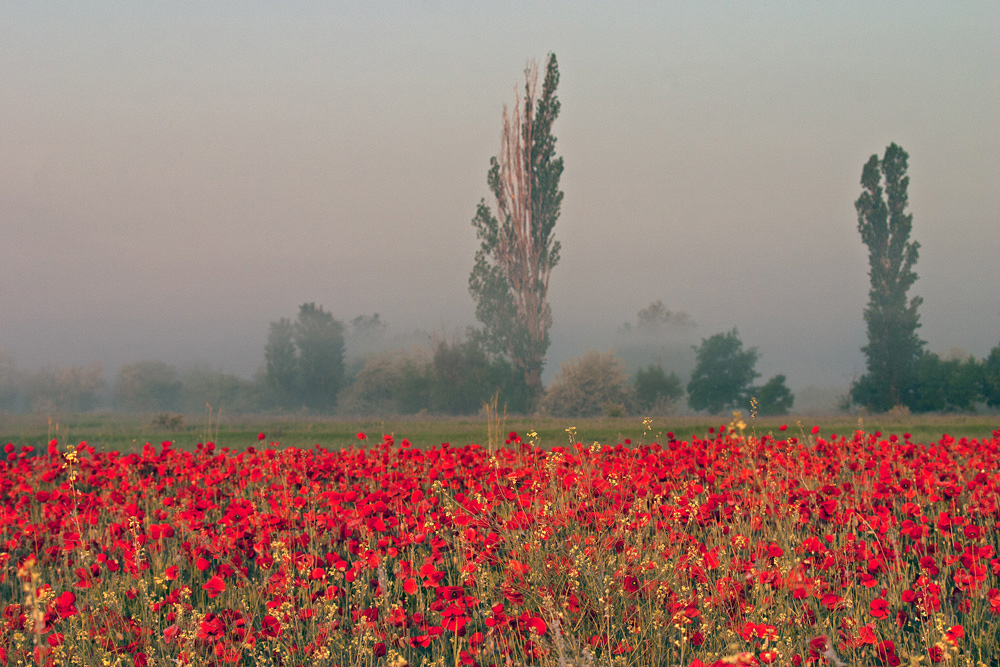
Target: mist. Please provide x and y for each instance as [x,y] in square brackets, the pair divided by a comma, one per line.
[177,177]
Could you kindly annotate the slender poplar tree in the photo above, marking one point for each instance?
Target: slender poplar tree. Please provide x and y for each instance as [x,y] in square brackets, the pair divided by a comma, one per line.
[510,278]
[893,349]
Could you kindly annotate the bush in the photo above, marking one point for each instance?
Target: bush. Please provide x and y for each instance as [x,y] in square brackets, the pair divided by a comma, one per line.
[585,385]
[168,421]
[392,382]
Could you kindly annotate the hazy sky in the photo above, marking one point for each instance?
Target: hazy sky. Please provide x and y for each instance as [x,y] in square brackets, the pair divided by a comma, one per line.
[174,175]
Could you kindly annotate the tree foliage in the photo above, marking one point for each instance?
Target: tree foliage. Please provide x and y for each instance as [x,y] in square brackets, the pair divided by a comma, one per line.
[656,317]
[147,386]
[281,367]
[991,378]
[658,337]
[453,378]
[10,383]
[656,391]
[774,397]
[464,377]
[304,360]
[510,278]
[946,385]
[723,373]
[894,349]
[72,389]
[319,339]
[204,385]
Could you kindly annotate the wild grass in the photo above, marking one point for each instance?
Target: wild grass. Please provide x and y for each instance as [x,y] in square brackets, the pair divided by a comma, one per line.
[128,433]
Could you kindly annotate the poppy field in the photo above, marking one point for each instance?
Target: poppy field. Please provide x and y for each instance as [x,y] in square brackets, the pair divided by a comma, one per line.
[730,548]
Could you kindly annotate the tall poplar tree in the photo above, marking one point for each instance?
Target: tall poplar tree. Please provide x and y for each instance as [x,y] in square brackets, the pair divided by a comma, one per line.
[510,278]
[893,349]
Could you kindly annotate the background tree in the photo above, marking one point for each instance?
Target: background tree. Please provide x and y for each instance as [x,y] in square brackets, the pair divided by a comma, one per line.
[510,278]
[366,335]
[722,374]
[593,384]
[147,386]
[201,385]
[656,391]
[464,377]
[376,387]
[990,376]
[946,385]
[281,364]
[657,316]
[319,339]
[658,337]
[10,383]
[73,389]
[774,397]
[893,349]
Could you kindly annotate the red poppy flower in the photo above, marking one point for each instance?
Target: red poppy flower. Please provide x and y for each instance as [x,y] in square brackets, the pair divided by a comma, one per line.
[215,586]
[66,604]
[831,601]
[270,627]
[537,624]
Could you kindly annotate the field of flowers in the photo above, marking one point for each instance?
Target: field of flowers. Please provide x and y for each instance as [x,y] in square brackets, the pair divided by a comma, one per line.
[726,549]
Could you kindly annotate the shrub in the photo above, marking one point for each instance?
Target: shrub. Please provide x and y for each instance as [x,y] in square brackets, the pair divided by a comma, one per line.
[392,382]
[585,385]
[167,421]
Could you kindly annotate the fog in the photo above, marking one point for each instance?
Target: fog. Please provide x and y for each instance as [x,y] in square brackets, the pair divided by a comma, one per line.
[176,176]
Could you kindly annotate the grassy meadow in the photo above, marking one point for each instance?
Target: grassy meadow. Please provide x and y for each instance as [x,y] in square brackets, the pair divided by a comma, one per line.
[128,433]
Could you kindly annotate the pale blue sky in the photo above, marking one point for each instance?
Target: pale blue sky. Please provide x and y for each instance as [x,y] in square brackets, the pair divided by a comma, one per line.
[175,175]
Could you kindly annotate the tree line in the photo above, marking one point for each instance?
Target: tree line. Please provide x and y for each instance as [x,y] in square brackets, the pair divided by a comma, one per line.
[510,282]
[139,387]
[304,359]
